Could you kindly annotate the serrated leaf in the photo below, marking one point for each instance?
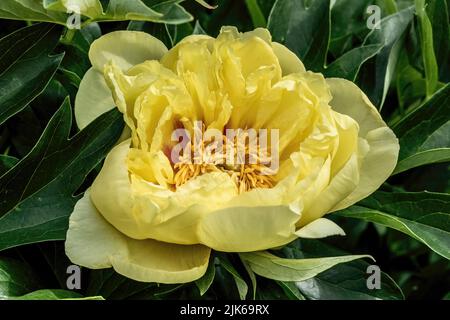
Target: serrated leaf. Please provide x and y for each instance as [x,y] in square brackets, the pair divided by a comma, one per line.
[425,133]
[425,216]
[270,266]
[26,66]
[37,195]
[305,30]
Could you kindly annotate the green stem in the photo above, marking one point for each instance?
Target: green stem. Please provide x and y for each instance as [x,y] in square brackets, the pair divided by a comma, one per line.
[68,36]
[391,6]
[256,14]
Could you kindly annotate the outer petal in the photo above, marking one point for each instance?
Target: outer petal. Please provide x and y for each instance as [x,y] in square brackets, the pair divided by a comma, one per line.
[93,98]
[126,49]
[112,195]
[320,228]
[341,186]
[289,62]
[92,242]
[381,159]
[244,229]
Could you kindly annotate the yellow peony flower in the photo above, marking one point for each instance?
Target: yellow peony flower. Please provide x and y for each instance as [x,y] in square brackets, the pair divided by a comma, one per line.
[154,219]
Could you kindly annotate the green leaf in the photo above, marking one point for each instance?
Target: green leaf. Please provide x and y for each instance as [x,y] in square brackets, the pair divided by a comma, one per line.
[438,13]
[158,30]
[270,266]
[111,285]
[376,74]
[425,216]
[205,282]
[26,66]
[252,277]
[410,83]
[16,278]
[163,12]
[304,30]
[348,25]
[54,294]
[425,133]
[426,42]
[205,4]
[6,163]
[198,28]
[49,176]
[346,281]
[347,66]
[88,8]
[30,10]
[291,290]
[240,283]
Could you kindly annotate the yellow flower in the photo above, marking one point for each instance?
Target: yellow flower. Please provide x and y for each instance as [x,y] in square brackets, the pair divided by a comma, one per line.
[155,219]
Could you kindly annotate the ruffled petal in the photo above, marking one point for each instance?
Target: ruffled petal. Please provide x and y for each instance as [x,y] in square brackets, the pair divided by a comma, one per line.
[92,242]
[381,158]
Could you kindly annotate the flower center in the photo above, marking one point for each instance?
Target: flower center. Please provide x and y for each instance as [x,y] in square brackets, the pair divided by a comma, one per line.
[241,155]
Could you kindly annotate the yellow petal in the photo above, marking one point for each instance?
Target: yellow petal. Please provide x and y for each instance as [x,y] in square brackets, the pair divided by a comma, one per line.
[112,195]
[170,59]
[93,98]
[289,62]
[92,242]
[125,49]
[244,229]
[340,187]
[381,159]
[320,228]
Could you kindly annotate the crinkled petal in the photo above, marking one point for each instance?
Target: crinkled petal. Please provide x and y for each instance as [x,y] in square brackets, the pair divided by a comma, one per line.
[92,242]
[125,49]
[381,159]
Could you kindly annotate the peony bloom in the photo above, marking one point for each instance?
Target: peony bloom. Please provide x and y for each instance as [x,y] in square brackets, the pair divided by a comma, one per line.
[155,219]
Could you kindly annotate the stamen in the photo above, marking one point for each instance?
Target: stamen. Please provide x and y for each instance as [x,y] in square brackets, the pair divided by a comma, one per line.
[245,176]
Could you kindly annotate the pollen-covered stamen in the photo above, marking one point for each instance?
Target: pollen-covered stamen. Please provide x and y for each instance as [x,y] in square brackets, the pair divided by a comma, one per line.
[248,167]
